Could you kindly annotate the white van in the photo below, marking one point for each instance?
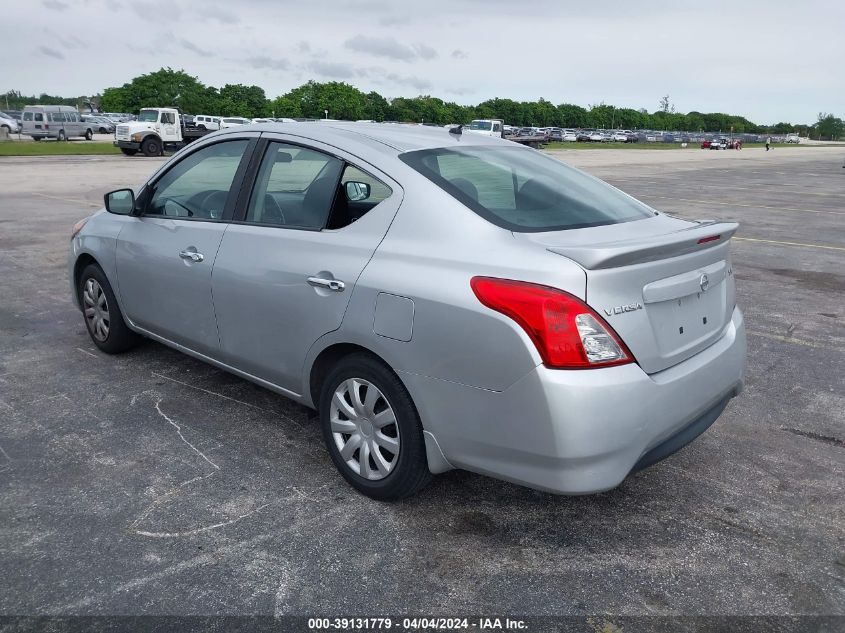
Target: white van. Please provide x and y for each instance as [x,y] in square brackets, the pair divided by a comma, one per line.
[54,121]
[205,122]
[233,121]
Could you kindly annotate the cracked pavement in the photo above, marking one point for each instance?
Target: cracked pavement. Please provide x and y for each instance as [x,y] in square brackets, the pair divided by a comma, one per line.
[150,483]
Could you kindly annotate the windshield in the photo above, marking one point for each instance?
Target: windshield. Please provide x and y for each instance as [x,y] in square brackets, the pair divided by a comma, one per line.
[481,125]
[148,116]
[523,190]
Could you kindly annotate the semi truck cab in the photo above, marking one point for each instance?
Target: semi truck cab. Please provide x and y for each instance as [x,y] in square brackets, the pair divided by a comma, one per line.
[155,130]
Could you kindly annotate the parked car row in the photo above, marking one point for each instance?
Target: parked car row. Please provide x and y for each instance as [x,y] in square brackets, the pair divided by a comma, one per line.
[214,123]
[103,124]
[722,143]
[9,123]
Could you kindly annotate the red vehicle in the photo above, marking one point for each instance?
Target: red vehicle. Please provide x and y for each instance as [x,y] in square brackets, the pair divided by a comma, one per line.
[705,144]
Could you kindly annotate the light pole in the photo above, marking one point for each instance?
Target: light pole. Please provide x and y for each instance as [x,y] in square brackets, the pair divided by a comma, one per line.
[326,112]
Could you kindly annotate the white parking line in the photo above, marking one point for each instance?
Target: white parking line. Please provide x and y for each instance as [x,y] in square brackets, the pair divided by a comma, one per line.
[801,244]
[795,341]
[751,206]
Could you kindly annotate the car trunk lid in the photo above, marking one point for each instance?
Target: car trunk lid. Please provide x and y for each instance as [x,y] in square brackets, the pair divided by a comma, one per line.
[664,285]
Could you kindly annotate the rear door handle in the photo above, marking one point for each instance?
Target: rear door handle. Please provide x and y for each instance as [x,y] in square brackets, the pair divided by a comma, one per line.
[330,284]
[192,255]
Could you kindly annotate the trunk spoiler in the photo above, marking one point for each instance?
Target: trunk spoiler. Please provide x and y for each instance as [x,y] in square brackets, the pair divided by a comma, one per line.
[705,234]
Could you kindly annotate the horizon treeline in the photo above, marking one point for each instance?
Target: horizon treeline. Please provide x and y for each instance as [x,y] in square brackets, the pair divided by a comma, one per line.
[176,88]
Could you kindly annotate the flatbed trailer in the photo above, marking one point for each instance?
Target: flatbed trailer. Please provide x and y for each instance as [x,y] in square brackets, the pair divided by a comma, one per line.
[536,142]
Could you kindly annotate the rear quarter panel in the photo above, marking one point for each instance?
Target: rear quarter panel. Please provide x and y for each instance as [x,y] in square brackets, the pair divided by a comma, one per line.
[431,251]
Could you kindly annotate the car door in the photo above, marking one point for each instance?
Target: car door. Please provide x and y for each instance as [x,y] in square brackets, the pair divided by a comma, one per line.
[289,261]
[164,257]
[169,126]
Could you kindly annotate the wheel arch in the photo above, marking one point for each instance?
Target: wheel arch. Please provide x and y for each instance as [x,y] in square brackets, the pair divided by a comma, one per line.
[328,358]
[331,355]
[79,265]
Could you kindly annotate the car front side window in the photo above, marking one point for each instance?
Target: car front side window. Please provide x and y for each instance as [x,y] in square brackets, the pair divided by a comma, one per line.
[198,186]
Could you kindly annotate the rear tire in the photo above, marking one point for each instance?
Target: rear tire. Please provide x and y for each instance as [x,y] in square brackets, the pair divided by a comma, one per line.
[129,152]
[151,147]
[103,318]
[385,424]
[36,138]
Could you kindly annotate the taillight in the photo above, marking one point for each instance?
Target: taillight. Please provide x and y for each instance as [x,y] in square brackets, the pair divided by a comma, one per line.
[567,332]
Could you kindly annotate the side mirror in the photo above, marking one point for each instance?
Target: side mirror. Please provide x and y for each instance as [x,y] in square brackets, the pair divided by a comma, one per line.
[120,202]
[357,191]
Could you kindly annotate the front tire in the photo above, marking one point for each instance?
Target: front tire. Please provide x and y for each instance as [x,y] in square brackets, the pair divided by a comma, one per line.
[103,318]
[89,135]
[62,136]
[372,429]
[151,147]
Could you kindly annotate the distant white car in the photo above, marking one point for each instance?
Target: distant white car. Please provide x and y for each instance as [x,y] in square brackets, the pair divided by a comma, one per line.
[620,137]
[205,122]
[793,138]
[596,137]
[10,124]
[233,121]
[570,136]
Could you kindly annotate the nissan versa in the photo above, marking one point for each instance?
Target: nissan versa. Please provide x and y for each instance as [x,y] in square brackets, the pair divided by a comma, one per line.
[444,300]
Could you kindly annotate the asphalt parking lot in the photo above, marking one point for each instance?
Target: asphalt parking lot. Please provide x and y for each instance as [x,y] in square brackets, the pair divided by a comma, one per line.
[150,483]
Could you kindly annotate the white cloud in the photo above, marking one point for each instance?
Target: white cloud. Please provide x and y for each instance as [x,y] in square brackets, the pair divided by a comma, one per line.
[625,54]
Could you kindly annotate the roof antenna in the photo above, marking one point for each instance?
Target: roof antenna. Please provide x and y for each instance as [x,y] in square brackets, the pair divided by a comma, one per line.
[458,130]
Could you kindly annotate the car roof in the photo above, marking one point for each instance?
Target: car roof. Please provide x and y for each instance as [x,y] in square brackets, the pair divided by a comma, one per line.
[388,138]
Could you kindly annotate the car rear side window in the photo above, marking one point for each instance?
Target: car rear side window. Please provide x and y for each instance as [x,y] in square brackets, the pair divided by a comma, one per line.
[523,190]
[295,187]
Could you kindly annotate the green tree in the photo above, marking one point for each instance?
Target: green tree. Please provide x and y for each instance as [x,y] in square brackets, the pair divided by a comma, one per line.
[829,127]
[375,106]
[572,115]
[240,100]
[114,100]
[165,87]
[340,99]
[284,106]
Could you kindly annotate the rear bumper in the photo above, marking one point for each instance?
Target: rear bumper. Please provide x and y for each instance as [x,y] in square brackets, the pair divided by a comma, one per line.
[579,432]
[127,145]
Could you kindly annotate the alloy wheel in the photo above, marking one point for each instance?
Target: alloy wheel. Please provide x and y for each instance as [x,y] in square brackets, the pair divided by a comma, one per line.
[96,308]
[364,429]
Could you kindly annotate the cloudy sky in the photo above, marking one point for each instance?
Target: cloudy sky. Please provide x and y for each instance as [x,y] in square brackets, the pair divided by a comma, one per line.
[769,60]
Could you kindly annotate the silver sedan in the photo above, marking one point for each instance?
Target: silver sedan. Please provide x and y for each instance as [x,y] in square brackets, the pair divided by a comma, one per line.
[444,300]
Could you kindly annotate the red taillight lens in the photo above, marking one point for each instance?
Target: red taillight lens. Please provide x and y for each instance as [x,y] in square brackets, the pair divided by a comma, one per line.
[567,332]
[711,238]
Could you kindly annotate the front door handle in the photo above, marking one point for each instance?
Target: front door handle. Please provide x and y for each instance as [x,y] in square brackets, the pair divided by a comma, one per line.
[192,255]
[330,284]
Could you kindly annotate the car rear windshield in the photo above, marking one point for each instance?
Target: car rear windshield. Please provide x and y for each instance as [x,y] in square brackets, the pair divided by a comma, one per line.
[523,190]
